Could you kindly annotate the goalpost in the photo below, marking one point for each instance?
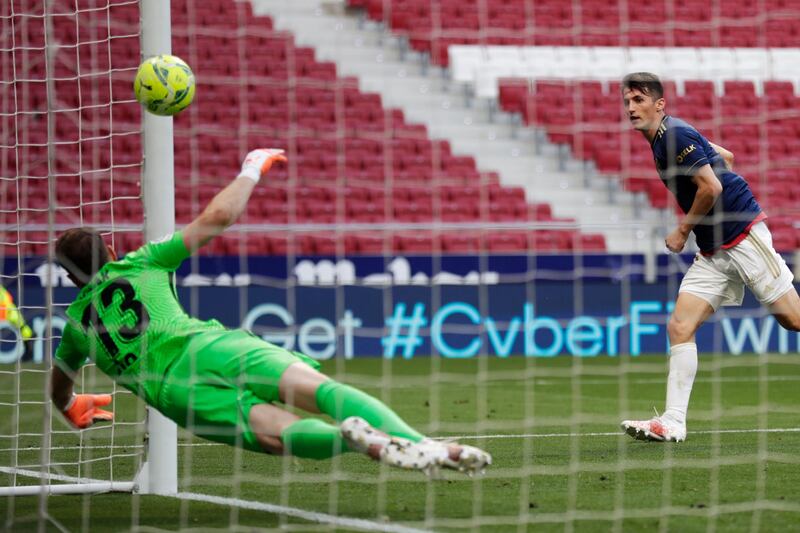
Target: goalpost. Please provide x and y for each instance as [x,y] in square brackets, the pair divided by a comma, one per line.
[161,469]
[41,62]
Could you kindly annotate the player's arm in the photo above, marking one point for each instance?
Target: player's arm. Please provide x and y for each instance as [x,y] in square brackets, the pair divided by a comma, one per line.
[727,155]
[80,410]
[229,204]
[61,387]
[708,190]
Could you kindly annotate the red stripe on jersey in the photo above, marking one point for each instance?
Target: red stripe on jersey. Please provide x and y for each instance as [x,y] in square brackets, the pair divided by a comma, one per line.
[739,238]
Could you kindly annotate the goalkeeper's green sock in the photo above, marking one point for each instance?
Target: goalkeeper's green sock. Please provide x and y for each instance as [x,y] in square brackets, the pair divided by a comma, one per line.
[312,438]
[341,401]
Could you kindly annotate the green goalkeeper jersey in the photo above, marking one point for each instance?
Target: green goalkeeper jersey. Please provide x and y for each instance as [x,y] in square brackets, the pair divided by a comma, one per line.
[128,319]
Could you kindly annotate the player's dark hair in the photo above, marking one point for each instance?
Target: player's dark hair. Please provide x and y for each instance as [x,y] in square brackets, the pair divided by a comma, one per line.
[82,251]
[644,82]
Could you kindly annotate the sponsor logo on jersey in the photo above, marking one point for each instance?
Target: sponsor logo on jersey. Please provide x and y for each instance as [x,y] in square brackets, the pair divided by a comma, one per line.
[686,151]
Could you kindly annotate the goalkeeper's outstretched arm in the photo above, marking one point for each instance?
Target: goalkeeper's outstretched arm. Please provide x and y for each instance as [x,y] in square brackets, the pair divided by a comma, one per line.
[229,204]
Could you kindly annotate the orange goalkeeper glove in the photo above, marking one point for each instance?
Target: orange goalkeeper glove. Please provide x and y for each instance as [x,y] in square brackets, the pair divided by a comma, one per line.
[258,162]
[82,411]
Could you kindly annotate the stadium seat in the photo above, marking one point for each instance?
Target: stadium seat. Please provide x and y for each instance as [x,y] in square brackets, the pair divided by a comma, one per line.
[506,242]
[413,243]
[365,244]
[456,243]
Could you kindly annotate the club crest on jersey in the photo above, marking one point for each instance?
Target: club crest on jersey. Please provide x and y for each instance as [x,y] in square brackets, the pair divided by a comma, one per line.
[686,151]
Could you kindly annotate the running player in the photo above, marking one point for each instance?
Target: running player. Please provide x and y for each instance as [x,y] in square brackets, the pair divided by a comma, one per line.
[735,244]
[221,384]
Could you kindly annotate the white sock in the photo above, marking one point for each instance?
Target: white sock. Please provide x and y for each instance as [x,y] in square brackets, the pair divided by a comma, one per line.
[682,369]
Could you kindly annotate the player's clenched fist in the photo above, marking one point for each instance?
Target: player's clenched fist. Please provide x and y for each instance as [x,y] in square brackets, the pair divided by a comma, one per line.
[259,161]
[676,240]
[82,410]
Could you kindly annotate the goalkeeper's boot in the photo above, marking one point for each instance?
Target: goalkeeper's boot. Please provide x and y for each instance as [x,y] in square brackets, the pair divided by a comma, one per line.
[443,454]
[656,429]
[427,455]
[363,438]
[360,436]
[467,459]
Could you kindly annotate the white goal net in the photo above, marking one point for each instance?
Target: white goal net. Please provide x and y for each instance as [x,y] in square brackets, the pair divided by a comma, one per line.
[466,228]
[71,156]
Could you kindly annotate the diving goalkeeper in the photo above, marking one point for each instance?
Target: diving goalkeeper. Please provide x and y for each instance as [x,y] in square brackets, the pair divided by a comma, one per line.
[224,385]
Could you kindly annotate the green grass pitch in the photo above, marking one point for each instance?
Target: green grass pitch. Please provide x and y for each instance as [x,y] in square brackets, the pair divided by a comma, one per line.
[536,417]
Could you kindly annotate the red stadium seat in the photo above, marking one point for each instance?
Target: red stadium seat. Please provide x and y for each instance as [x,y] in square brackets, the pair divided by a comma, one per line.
[548,241]
[512,94]
[591,243]
[507,242]
[456,243]
[366,212]
[413,211]
[365,244]
[413,243]
[785,240]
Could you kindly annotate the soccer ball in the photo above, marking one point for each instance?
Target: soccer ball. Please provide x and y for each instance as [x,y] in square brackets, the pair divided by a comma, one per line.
[164,85]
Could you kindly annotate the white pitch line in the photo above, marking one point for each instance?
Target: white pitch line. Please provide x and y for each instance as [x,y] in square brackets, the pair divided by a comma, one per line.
[311,516]
[610,380]
[459,437]
[608,434]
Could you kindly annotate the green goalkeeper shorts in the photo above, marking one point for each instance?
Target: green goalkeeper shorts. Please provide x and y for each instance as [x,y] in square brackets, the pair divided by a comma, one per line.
[211,388]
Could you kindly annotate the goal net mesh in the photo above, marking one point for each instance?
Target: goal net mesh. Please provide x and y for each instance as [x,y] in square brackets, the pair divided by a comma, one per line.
[71,156]
[486,257]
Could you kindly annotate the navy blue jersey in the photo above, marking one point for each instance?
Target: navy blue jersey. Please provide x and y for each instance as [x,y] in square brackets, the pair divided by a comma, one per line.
[679,152]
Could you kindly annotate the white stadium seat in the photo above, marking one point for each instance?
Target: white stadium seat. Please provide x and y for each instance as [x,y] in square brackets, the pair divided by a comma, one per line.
[750,63]
[609,62]
[717,63]
[682,63]
[482,66]
[647,59]
[540,62]
[504,54]
[463,60]
[785,64]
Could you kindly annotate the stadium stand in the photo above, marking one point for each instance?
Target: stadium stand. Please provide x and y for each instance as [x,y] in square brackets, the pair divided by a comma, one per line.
[366,163]
[728,78]
[351,160]
[432,27]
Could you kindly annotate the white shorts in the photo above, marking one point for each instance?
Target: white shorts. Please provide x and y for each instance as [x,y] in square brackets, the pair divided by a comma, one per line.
[721,278]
